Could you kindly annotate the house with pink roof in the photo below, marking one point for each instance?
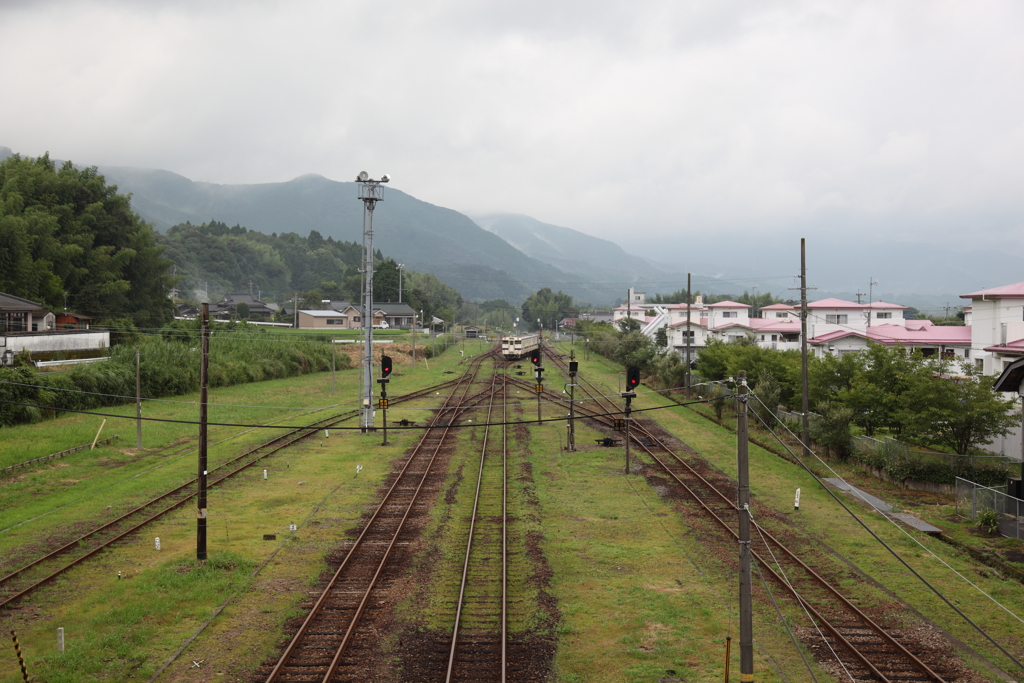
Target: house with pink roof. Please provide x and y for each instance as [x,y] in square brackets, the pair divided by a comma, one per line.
[996,318]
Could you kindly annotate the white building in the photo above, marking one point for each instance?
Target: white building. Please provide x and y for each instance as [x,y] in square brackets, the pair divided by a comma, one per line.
[996,320]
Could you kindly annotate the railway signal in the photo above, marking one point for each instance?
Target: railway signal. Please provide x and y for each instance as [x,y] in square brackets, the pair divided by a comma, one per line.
[385,372]
[535,357]
[632,381]
[632,378]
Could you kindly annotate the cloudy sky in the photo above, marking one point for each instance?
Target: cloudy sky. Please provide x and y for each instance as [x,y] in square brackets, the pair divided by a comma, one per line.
[634,121]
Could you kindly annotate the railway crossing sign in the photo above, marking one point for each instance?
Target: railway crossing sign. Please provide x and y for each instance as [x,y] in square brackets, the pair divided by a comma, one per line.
[620,424]
[540,388]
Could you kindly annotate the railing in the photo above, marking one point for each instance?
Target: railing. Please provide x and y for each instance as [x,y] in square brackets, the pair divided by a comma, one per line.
[61,454]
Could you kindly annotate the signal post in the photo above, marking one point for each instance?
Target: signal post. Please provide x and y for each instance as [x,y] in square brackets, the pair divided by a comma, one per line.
[539,371]
[385,374]
[632,381]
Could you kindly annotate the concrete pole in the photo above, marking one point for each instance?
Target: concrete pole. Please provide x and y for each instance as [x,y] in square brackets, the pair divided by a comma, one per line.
[204,375]
[805,409]
[138,400]
[689,304]
[743,477]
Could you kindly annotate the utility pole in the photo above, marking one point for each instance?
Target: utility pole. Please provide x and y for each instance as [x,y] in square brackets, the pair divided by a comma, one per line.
[573,369]
[371,192]
[743,490]
[138,400]
[295,309]
[334,353]
[204,377]
[804,400]
[689,305]
[629,309]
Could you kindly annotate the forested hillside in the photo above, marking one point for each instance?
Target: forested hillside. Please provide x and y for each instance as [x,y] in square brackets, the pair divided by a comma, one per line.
[213,258]
[70,240]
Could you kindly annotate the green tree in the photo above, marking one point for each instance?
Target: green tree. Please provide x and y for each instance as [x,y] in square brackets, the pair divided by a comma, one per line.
[832,428]
[67,231]
[955,411]
[242,309]
[549,307]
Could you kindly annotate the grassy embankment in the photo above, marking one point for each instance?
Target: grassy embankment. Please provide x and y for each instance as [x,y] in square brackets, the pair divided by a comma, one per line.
[123,630]
[773,484]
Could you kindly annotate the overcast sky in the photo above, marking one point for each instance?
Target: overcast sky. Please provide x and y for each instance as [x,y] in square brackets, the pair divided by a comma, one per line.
[624,120]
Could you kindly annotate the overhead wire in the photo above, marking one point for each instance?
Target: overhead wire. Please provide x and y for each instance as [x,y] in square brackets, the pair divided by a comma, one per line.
[887,546]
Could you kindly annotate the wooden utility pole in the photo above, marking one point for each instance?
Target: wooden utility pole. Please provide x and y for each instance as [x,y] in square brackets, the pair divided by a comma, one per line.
[204,377]
[743,490]
[138,400]
[804,400]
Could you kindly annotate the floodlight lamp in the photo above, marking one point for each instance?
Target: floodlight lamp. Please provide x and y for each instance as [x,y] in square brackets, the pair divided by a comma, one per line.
[385,178]
[362,177]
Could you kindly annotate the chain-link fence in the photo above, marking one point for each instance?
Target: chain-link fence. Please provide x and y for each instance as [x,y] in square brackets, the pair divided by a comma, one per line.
[974,500]
[795,418]
[900,451]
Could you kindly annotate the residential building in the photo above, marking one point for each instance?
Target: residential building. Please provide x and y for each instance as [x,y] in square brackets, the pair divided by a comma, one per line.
[996,318]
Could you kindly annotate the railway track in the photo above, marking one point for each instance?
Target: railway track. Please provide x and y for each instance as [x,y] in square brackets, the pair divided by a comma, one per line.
[838,630]
[479,639]
[329,644]
[19,582]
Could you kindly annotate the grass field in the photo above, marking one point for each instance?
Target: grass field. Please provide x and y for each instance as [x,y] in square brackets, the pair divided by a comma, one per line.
[639,595]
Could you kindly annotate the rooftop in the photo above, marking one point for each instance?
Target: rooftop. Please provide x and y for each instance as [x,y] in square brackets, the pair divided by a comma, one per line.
[1015,291]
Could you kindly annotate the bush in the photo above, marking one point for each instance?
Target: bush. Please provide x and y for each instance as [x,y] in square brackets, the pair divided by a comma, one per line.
[988,521]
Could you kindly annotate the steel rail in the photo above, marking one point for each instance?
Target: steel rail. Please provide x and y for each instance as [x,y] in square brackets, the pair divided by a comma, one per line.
[304,629]
[471,537]
[642,430]
[281,440]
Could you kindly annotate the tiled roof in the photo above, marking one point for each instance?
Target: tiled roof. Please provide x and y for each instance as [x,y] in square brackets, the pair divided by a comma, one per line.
[779,307]
[1015,291]
[882,304]
[728,304]
[897,334]
[16,303]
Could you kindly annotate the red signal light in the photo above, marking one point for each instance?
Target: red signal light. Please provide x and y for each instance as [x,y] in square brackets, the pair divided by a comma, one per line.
[385,366]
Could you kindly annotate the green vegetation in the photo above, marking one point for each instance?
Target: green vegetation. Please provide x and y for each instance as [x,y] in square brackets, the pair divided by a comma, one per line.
[70,242]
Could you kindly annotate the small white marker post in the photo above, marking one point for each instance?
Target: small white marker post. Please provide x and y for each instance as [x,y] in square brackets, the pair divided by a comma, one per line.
[264,475]
[60,639]
[157,543]
[796,502]
[292,528]
[327,434]
[359,468]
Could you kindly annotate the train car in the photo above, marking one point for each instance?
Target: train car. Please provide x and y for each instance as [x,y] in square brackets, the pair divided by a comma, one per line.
[516,347]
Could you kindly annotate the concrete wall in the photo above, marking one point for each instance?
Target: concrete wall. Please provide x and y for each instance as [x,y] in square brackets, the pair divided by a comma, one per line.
[71,340]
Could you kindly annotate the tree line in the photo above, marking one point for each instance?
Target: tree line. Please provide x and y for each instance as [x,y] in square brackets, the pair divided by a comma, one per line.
[70,241]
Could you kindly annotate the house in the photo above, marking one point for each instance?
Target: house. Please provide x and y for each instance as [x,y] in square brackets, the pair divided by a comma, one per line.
[228,306]
[73,321]
[22,315]
[330,320]
[397,316]
[996,318]
[27,326]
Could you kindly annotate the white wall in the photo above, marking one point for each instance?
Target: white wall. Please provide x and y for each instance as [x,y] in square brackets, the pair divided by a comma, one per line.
[48,343]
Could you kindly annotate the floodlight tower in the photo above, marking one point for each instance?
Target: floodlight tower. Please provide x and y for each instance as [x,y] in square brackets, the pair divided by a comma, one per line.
[371,192]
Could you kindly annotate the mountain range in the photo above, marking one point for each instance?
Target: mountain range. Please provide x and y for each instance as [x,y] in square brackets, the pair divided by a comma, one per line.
[511,256]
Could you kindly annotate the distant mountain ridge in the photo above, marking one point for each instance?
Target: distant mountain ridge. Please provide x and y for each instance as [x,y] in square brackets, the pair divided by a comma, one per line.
[572,251]
[420,235]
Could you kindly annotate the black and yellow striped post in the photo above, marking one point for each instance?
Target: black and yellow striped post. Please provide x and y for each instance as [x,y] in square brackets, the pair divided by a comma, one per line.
[21,660]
